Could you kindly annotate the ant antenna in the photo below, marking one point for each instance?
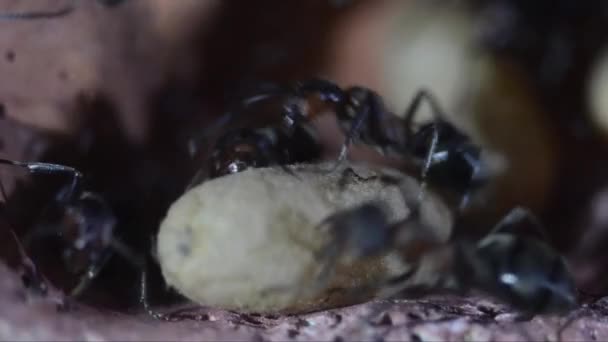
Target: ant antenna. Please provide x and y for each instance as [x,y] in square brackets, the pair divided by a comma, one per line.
[427,164]
[49,168]
[438,116]
[422,94]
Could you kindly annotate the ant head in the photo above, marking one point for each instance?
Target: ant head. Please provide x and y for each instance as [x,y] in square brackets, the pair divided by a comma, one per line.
[456,161]
[522,271]
[239,150]
[87,228]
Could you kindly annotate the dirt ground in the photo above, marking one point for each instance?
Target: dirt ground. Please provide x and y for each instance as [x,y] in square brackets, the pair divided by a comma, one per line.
[432,319]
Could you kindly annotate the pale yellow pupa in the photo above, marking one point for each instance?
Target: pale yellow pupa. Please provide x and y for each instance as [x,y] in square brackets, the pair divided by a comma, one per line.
[250,241]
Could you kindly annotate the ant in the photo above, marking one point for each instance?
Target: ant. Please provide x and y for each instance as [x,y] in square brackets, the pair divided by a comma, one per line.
[441,153]
[511,263]
[240,149]
[515,264]
[82,220]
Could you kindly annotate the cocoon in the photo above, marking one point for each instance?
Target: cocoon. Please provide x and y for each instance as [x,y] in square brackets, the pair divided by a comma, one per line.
[250,241]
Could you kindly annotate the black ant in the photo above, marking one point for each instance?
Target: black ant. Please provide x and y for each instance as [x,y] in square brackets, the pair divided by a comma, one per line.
[275,144]
[243,148]
[442,154]
[512,263]
[515,264]
[82,220]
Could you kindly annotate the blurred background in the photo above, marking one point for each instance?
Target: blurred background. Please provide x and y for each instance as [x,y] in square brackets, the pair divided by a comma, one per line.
[116,88]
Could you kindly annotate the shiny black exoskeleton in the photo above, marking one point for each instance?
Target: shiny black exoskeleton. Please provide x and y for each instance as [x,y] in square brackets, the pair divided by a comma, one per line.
[243,148]
[509,263]
[455,163]
[82,220]
[516,264]
[447,158]
[444,156]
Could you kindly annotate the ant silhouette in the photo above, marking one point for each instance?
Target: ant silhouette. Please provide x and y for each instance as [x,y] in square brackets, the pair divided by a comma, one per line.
[85,225]
[436,151]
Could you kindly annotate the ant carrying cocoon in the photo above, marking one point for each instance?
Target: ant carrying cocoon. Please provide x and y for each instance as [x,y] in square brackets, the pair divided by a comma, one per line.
[265,241]
[253,241]
[436,152]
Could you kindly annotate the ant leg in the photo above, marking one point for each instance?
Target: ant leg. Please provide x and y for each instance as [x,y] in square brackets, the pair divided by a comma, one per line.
[427,163]
[412,109]
[370,115]
[93,270]
[438,115]
[126,253]
[65,195]
[143,298]
[52,169]
[480,176]
[268,92]
[357,123]
[91,273]
[67,9]
[167,317]
[327,90]
[284,153]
